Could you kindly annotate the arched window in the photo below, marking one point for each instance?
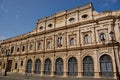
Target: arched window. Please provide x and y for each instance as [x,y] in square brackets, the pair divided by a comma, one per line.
[39,46]
[59,41]
[72,42]
[72,67]
[102,37]
[59,66]
[87,39]
[88,66]
[29,66]
[47,67]
[106,66]
[38,66]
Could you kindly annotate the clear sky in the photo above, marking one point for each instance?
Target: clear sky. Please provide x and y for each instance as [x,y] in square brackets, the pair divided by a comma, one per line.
[20,16]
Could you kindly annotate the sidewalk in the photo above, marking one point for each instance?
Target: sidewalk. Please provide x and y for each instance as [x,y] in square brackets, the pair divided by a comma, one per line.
[29,77]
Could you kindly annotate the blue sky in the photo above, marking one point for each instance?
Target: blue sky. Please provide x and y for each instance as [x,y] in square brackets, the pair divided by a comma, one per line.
[20,16]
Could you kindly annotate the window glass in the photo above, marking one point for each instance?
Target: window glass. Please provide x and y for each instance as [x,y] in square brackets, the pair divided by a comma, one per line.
[39,45]
[59,42]
[102,37]
[18,49]
[23,48]
[72,42]
[86,39]
[31,47]
[48,45]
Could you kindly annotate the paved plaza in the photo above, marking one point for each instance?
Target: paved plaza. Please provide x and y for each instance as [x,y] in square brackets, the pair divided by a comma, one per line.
[30,77]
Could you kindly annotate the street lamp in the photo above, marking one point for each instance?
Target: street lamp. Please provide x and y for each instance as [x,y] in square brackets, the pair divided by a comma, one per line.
[7,55]
[114,42]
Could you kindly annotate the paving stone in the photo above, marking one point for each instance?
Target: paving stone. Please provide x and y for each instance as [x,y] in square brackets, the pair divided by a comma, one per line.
[30,77]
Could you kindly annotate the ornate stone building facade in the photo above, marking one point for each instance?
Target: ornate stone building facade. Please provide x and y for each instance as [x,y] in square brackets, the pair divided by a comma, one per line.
[68,43]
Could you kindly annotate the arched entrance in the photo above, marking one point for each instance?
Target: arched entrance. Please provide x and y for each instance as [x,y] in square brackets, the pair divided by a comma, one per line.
[38,66]
[106,66]
[72,67]
[47,67]
[59,66]
[88,66]
[29,66]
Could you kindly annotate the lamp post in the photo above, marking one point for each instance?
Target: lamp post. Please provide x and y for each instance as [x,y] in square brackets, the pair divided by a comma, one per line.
[7,55]
[114,42]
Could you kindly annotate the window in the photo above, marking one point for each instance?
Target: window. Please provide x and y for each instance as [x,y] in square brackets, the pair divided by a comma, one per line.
[71,19]
[18,49]
[84,16]
[88,66]
[47,67]
[37,66]
[59,41]
[0,63]
[72,67]
[86,39]
[39,45]
[31,47]
[49,25]
[106,66]
[12,49]
[41,27]
[21,63]
[72,42]
[59,66]
[29,66]
[15,65]
[23,48]
[102,37]
[3,65]
[48,45]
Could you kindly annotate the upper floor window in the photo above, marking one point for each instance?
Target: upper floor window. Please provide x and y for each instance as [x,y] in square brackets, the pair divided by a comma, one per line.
[48,45]
[72,42]
[12,49]
[39,45]
[102,37]
[15,65]
[31,47]
[50,25]
[87,39]
[59,41]
[23,48]
[41,27]
[18,49]
[84,16]
[21,63]
[71,19]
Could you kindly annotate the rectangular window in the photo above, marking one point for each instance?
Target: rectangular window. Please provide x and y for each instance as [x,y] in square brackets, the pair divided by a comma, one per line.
[15,65]
[21,63]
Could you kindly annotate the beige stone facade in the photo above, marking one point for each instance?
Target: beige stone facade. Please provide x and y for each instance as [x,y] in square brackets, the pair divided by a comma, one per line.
[68,43]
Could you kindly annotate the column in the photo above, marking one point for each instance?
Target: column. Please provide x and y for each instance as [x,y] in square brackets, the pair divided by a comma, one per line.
[117,31]
[53,67]
[33,65]
[24,65]
[96,64]
[79,66]
[65,67]
[42,66]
